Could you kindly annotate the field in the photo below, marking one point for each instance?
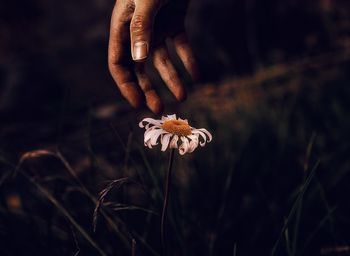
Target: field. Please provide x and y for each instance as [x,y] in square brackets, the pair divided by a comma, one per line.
[274,180]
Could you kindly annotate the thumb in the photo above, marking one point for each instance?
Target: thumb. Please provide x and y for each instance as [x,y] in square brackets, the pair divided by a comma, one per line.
[141,28]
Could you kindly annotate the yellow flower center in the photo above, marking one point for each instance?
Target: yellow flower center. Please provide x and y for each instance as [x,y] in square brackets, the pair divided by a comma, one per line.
[178,127]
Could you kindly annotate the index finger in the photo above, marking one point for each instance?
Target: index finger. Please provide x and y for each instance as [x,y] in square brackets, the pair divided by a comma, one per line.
[119,59]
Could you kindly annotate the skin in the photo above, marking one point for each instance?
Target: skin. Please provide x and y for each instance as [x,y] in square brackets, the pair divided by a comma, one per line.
[138,32]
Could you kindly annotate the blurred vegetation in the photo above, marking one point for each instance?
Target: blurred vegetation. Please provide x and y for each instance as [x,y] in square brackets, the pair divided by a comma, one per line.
[274,181]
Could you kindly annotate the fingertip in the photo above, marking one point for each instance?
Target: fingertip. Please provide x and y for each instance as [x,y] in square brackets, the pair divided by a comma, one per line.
[153,102]
[158,109]
[140,51]
[135,103]
[181,95]
[195,73]
[131,92]
[141,60]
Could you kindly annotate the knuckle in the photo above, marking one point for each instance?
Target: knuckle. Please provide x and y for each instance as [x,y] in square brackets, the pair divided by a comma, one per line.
[164,61]
[146,88]
[139,24]
[173,78]
[111,67]
[174,81]
[114,69]
[189,62]
[181,95]
[130,6]
[161,59]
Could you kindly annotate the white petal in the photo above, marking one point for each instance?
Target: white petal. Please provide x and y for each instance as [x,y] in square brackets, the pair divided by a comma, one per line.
[184,147]
[153,135]
[197,132]
[165,141]
[203,133]
[172,116]
[193,143]
[149,133]
[169,117]
[148,144]
[141,124]
[156,135]
[152,129]
[184,120]
[149,121]
[173,142]
[210,137]
[150,125]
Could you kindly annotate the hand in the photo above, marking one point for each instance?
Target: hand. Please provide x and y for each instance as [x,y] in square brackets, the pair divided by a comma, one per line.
[138,31]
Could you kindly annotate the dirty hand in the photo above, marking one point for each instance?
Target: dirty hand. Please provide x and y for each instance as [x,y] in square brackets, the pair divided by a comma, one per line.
[138,31]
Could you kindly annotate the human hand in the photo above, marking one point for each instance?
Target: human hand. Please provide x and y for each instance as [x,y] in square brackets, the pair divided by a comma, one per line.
[138,32]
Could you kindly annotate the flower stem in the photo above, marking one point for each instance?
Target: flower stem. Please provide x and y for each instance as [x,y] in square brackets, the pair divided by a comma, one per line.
[165,203]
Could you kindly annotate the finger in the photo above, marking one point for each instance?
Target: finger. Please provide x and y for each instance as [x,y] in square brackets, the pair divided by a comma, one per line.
[185,53]
[153,101]
[167,72]
[119,56]
[141,28]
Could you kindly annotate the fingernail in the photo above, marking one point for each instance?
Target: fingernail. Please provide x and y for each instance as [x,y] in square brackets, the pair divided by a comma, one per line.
[140,50]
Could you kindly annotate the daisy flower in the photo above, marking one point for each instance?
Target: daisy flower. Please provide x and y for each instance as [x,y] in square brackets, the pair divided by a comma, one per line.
[173,131]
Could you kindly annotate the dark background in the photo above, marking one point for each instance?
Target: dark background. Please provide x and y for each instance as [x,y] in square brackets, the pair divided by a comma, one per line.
[274,93]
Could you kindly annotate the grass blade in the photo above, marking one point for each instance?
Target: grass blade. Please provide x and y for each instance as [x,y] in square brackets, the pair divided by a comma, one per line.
[295,206]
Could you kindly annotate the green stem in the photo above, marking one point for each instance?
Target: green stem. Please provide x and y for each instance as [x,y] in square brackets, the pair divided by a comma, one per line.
[165,203]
